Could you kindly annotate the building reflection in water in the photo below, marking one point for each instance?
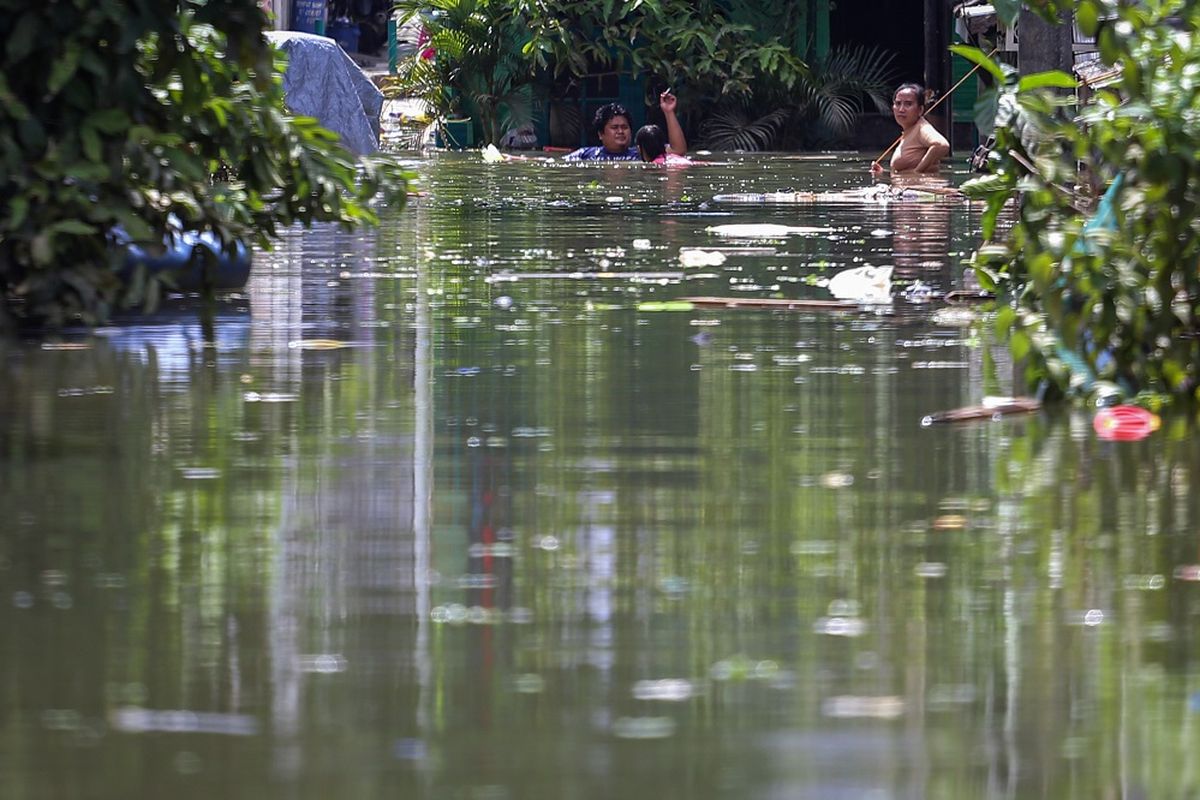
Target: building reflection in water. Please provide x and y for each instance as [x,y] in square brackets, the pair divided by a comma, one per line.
[353,524]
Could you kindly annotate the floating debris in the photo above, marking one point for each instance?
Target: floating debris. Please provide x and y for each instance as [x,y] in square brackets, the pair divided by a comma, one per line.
[930,569]
[635,277]
[1187,572]
[669,690]
[529,683]
[992,408]
[643,727]
[66,346]
[741,668]
[143,720]
[319,344]
[269,397]
[863,284]
[837,480]
[322,663]
[773,303]
[85,391]
[961,297]
[62,719]
[954,317]
[815,547]
[949,522]
[1145,583]
[1125,423]
[547,543]
[669,305]
[764,231]
[200,473]
[858,706]
[697,257]
[943,696]
[940,365]
[850,627]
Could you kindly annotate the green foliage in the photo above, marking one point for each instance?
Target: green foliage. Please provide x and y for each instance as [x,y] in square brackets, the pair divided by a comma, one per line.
[675,41]
[1110,305]
[733,126]
[149,115]
[490,51]
[479,69]
[837,88]
[820,108]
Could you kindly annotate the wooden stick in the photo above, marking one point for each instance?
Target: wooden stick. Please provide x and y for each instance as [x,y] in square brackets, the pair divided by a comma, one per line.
[936,103]
[773,302]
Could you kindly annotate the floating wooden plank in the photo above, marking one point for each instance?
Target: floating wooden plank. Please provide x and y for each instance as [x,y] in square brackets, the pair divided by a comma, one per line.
[772,302]
[1000,407]
[509,277]
[962,297]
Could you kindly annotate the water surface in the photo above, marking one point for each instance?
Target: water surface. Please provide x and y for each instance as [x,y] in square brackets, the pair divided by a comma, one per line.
[466,507]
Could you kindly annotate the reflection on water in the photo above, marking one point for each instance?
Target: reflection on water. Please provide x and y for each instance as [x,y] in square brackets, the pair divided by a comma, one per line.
[447,510]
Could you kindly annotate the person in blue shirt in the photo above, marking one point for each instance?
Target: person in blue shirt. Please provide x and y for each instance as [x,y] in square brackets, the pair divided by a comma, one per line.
[612,125]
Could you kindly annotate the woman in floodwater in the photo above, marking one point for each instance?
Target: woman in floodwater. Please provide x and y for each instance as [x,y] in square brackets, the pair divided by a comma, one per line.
[921,147]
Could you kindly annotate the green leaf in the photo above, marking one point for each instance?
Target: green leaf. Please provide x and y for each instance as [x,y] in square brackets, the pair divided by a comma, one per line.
[1007,11]
[987,104]
[1087,17]
[1053,79]
[63,69]
[23,38]
[980,59]
[91,143]
[1019,345]
[72,227]
[109,120]
[18,208]
[1109,44]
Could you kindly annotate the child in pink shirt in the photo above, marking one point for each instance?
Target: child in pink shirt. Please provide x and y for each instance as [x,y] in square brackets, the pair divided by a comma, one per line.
[652,145]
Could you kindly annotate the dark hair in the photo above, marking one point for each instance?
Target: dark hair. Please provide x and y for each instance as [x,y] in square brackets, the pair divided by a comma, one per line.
[911,87]
[651,141]
[606,113]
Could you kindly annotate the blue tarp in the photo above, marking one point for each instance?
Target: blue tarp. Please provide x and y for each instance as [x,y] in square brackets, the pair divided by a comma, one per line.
[323,82]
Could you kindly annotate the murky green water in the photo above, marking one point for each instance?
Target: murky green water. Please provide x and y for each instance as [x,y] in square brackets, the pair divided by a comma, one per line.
[520,539]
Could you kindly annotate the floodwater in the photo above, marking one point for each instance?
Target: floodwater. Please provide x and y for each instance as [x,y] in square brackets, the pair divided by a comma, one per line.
[471,507]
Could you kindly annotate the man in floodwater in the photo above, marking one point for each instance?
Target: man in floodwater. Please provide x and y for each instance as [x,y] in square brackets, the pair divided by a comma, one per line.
[921,147]
[613,127]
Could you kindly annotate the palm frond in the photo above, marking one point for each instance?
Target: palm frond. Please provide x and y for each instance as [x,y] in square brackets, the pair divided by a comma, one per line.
[732,128]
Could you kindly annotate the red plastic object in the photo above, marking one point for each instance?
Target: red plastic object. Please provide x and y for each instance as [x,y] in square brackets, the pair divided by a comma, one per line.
[1125,423]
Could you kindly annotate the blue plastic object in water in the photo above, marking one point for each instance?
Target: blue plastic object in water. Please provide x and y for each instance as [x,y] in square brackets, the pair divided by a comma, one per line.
[191,271]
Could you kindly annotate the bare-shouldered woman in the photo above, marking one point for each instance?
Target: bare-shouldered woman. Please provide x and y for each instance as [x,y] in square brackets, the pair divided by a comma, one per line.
[921,147]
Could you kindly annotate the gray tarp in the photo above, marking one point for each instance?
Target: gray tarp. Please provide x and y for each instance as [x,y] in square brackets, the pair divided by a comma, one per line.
[323,82]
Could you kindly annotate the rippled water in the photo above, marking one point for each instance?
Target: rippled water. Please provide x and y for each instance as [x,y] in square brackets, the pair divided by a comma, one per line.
[471,507]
